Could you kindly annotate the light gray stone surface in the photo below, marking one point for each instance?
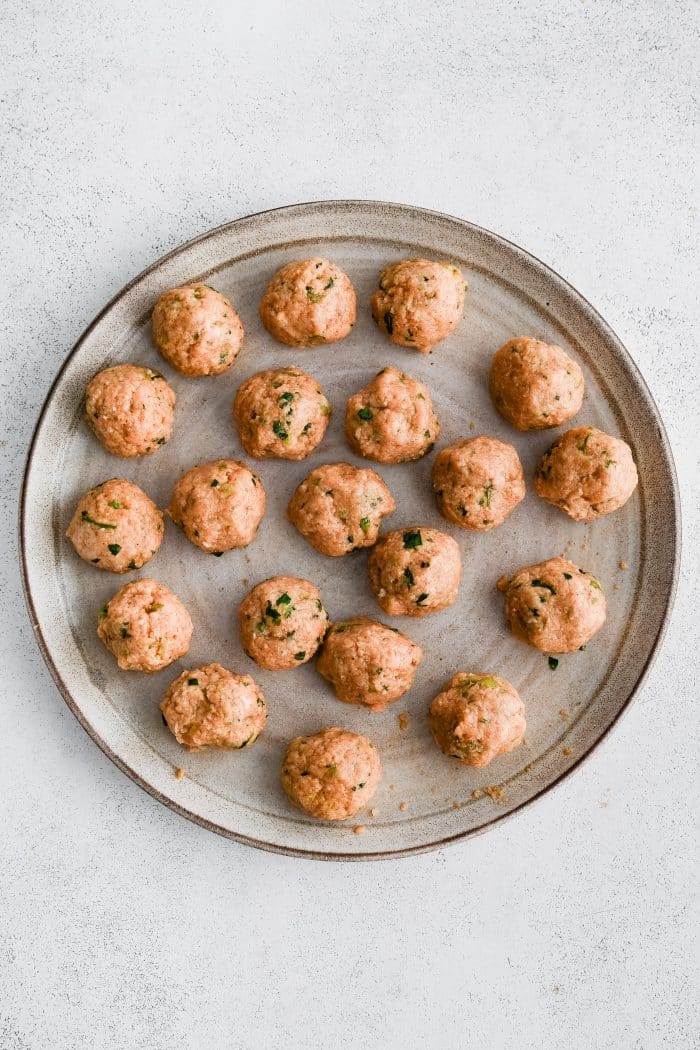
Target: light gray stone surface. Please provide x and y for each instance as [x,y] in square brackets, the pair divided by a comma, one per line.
[568,128]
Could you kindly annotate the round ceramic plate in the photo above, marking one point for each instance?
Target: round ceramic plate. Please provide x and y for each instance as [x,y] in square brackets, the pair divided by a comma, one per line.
[425,799]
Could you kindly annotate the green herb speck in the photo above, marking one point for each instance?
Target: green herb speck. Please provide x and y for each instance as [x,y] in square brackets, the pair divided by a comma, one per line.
[485,500]
[411,540]
[541,583]
[98,524]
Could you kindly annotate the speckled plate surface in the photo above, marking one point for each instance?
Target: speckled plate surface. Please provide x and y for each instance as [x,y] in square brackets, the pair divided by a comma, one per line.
[425,800]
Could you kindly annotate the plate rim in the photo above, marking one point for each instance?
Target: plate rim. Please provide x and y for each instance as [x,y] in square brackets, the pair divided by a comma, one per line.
[403,851]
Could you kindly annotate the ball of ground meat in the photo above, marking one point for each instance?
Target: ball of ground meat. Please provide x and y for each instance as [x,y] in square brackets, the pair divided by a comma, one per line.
[419,302]
[130,409]
[554,606]
[476,718]
[116,526]
[197,330]
[587,474]
[211,706]
[415,571]
[145,626]
[332,774]
[339,508]
[478,482]
[391,419]
[283,622]
[535,385]
[281,414]
[368,663]
[308,302]
[218,505]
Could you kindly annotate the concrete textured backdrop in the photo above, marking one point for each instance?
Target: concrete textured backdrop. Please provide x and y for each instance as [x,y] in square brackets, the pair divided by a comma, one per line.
[568,127]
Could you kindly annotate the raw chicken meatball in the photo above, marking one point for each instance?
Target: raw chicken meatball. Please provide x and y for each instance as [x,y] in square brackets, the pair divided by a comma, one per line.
[211,706]
[282,622]
[130,410]
[476,718]
[218,505]
[116,526]
[392,419]
[197,330]
[478,482]
[554,606]
[419,302]
[368,663]
[339,508]
[281,414]
[535,385]
[308,302]
[332,774]
[587,474]
[145,626]
[415,571]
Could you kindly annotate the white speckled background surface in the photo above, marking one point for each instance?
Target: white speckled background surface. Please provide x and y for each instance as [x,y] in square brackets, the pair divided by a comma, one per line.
[566,127]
